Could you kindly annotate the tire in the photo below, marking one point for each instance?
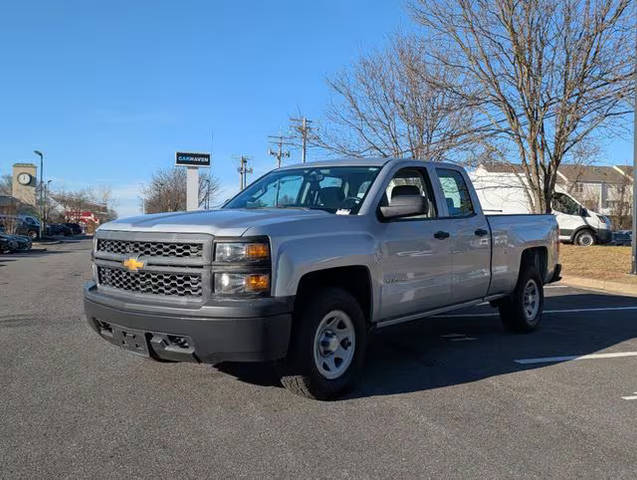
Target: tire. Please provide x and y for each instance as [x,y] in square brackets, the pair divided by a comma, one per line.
[318,366]
[584,238]
[522,310]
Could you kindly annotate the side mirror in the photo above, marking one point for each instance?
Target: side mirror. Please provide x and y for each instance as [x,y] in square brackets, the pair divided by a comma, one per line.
[583,212]
[404,206]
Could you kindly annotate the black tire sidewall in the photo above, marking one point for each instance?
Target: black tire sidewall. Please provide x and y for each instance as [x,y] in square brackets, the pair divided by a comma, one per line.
[512,311]
[581,234]
[300,360]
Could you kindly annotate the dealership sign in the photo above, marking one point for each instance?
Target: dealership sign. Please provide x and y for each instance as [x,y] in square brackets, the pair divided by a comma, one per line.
[186,159]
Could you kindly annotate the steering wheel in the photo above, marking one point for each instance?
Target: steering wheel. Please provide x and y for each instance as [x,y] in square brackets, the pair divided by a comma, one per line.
[350,202]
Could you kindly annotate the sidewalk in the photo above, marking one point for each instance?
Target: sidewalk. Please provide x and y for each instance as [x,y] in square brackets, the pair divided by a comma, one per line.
[609,286]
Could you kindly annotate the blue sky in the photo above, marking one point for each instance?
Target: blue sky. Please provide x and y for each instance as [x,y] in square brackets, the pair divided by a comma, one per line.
[109,90]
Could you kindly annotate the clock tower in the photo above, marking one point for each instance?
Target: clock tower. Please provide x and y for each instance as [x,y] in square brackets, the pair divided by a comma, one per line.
[24,182]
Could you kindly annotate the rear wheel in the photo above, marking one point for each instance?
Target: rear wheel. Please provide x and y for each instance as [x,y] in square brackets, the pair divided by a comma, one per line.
[585,238]
[327,346]
[522,310]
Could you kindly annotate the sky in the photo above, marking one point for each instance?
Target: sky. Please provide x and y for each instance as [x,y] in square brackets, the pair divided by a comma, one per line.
[110,90]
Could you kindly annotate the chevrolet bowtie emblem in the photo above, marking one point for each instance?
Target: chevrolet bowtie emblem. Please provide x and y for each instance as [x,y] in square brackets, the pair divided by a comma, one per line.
[133,264]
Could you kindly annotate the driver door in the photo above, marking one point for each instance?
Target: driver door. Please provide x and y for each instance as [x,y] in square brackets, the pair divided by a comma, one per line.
[416,262]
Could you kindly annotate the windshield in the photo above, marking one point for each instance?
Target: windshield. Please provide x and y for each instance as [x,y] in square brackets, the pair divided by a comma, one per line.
[333,189]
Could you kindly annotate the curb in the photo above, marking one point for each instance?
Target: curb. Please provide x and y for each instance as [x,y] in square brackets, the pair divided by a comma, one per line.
[605,285]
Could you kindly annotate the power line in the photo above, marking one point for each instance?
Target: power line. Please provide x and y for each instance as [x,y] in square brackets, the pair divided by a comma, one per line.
[278,141]
[302,125]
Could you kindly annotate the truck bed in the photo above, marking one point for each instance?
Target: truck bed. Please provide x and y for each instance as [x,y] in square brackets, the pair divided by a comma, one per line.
[513,233]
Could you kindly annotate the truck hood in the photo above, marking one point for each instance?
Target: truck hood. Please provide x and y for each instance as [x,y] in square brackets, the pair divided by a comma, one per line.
[226,222]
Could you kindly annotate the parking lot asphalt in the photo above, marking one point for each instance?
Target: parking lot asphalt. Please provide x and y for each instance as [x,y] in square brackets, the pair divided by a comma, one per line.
[449,397]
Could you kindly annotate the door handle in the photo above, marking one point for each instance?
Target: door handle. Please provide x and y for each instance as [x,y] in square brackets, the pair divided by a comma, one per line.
[440,235]
[481,232]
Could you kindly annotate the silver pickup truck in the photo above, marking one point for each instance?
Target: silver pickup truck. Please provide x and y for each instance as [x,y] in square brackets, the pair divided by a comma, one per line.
[304,263]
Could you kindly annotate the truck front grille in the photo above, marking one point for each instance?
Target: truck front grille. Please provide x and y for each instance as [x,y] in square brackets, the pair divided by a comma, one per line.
[155,249]
[154,283]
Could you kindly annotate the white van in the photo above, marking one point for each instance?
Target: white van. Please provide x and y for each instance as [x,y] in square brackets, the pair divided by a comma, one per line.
[503,193]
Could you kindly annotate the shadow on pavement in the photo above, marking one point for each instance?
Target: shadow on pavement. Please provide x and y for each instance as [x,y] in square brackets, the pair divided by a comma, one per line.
[421,355]
[34,252]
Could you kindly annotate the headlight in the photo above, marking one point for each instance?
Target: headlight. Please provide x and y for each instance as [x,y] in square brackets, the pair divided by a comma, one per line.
[241,252]
[233,283]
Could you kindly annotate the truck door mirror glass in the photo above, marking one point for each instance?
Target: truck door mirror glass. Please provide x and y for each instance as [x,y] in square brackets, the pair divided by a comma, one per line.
[404,206]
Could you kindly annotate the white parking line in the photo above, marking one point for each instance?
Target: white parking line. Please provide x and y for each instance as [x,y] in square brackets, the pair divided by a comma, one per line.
[631,397]
[566,310]
[453,335]
[566,358]
[462,339]
[555,286]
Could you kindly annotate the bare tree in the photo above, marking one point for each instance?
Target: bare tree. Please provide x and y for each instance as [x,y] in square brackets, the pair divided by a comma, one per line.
[70,203]
[5,184]
[388,104]
[551,73]
[620,205]
[167,190]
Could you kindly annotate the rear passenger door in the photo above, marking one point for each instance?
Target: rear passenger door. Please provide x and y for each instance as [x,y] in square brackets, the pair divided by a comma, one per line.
[469,234]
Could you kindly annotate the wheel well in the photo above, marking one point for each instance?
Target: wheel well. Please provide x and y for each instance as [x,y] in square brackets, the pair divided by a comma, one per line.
[583,229]
[354,279]
[538,257]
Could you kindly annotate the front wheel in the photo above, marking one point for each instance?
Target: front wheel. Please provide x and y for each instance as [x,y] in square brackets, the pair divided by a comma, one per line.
[585,238]
[522,310]
[327,346]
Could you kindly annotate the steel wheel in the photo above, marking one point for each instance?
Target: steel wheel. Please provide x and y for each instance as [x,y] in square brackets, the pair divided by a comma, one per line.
[531,300]
[585,239]
[334,344]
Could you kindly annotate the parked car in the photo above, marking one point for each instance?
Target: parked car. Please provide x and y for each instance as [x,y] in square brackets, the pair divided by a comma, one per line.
[300,266]
[15,243]
[58,229]
[622,238]
[76,229]
[577,224]
[21,226]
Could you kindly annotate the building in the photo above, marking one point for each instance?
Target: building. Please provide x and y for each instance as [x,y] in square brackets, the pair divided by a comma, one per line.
[604,189]
[24,183]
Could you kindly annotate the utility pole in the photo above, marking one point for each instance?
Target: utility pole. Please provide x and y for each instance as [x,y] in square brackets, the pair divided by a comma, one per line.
[302,125]
[278,141]
[633,242]
[243,171]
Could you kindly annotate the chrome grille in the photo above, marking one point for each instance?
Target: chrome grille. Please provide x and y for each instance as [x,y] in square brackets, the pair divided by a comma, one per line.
[154,283]
[155,249]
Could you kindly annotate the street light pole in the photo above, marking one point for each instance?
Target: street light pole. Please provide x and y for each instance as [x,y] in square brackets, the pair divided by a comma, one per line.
[41,155]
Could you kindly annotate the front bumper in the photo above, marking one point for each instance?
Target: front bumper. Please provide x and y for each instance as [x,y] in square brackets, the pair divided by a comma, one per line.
[603,236]
[232,330]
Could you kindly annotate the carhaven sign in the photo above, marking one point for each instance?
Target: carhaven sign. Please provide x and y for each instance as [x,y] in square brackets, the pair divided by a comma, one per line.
[185,159]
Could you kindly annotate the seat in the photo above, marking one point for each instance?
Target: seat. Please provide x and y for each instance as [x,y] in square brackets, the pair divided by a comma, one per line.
[403,190]
[331,197]
[452,209]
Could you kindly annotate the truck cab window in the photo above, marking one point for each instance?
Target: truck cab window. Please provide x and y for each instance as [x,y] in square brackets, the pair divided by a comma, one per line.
[456,192]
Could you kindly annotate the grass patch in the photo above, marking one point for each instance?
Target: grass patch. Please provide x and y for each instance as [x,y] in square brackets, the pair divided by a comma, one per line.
[597,262]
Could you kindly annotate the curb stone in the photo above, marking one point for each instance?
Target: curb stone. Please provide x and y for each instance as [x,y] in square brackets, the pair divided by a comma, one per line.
[605,285]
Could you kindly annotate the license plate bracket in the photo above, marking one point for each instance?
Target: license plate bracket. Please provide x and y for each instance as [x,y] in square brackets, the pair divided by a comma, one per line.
[132,340]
